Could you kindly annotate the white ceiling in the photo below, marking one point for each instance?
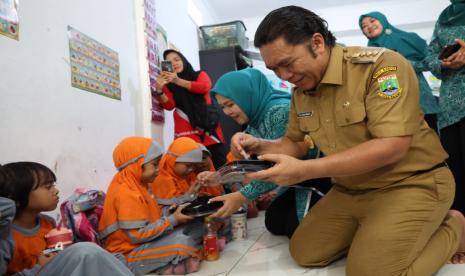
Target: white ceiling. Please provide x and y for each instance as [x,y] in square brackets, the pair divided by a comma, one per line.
[240,9]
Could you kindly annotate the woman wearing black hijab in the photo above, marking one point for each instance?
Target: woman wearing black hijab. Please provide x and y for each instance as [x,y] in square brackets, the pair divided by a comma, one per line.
[187,92]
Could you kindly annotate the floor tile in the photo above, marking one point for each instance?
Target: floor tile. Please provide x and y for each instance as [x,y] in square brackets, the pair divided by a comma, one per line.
[264,254]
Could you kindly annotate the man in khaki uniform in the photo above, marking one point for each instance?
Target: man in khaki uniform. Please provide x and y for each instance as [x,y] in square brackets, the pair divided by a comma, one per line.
[389,205]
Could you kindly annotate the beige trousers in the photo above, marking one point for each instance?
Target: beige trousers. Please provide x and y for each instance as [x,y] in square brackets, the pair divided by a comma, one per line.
[402,229]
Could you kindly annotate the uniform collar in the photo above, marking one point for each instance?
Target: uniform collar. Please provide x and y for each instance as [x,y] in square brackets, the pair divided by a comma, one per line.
[333,74]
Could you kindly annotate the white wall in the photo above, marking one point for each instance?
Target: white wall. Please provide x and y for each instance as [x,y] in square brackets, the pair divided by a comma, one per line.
[43,118]
[414,16]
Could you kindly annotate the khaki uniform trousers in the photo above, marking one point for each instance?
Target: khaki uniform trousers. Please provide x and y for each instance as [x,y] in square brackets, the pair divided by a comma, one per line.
[402,229]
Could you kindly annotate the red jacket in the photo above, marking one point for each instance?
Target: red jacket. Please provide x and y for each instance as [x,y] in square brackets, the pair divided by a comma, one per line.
[182,127]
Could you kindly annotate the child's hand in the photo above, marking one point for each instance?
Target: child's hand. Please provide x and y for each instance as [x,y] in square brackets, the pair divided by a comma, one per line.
[194,188]
[44,259]
[180,217]
[208,178]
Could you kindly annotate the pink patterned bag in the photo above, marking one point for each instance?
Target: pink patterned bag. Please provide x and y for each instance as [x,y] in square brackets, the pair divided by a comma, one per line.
[81,213]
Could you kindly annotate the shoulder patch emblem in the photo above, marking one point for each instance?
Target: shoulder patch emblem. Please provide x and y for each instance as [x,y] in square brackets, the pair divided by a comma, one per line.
[384,70]
[389,87]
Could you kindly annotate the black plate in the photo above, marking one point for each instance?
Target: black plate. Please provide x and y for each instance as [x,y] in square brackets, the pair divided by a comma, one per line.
[249,165]
[200,207]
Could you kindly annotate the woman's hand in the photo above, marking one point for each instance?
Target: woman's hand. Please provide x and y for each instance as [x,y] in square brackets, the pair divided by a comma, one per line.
[231,203]
[457,59]
[160,83]
[180,217]
[170,77]
[243,144]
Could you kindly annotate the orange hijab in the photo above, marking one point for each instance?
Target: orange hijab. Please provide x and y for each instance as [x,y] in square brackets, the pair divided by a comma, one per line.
[127,198]
[168,184]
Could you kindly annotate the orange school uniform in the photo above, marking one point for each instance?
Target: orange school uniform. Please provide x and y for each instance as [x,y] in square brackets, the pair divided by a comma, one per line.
[28,244]
[132,222]
[168,184]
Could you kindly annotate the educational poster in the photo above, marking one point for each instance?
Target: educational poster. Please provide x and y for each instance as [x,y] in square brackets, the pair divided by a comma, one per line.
[94,67]
[9,23]
[153,58]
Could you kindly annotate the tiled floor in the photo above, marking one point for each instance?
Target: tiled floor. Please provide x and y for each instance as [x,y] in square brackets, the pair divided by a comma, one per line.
[265,254]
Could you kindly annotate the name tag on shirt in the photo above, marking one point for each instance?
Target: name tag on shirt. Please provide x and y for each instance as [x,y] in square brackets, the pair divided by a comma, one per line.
[305,114]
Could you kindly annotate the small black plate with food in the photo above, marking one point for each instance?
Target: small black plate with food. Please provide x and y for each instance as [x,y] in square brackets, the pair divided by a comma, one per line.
[200,207]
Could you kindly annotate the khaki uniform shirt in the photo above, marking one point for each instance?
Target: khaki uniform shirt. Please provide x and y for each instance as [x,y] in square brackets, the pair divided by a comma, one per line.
[366,93]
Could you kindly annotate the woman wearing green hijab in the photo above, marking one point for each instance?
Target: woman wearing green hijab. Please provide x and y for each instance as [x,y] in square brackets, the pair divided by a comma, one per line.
[450,29]
[381,33]
[248,98]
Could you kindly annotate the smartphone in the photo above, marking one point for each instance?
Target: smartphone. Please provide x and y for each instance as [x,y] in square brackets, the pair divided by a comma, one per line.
[167,66]
[449,50]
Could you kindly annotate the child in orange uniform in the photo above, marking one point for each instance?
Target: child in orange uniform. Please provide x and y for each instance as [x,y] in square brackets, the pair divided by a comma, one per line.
[134,225]
[32,187]
[206,165]
[175,183]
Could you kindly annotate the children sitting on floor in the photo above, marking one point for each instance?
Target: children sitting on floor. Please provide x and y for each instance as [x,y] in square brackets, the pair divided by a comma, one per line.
[32,187]
[134,225]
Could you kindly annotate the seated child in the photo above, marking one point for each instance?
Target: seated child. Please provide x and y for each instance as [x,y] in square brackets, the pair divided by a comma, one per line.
[175,183]
[32,187]
[133,223]
[206,165]
[177,179]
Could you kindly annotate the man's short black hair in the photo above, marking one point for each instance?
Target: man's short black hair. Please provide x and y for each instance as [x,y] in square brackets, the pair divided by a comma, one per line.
[295,24]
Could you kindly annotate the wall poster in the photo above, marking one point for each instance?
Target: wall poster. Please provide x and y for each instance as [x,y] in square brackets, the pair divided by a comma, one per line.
[9,23]
[94,66]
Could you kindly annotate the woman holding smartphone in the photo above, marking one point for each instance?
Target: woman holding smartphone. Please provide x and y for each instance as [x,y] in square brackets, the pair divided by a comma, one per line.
[187,92]
[449,30]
